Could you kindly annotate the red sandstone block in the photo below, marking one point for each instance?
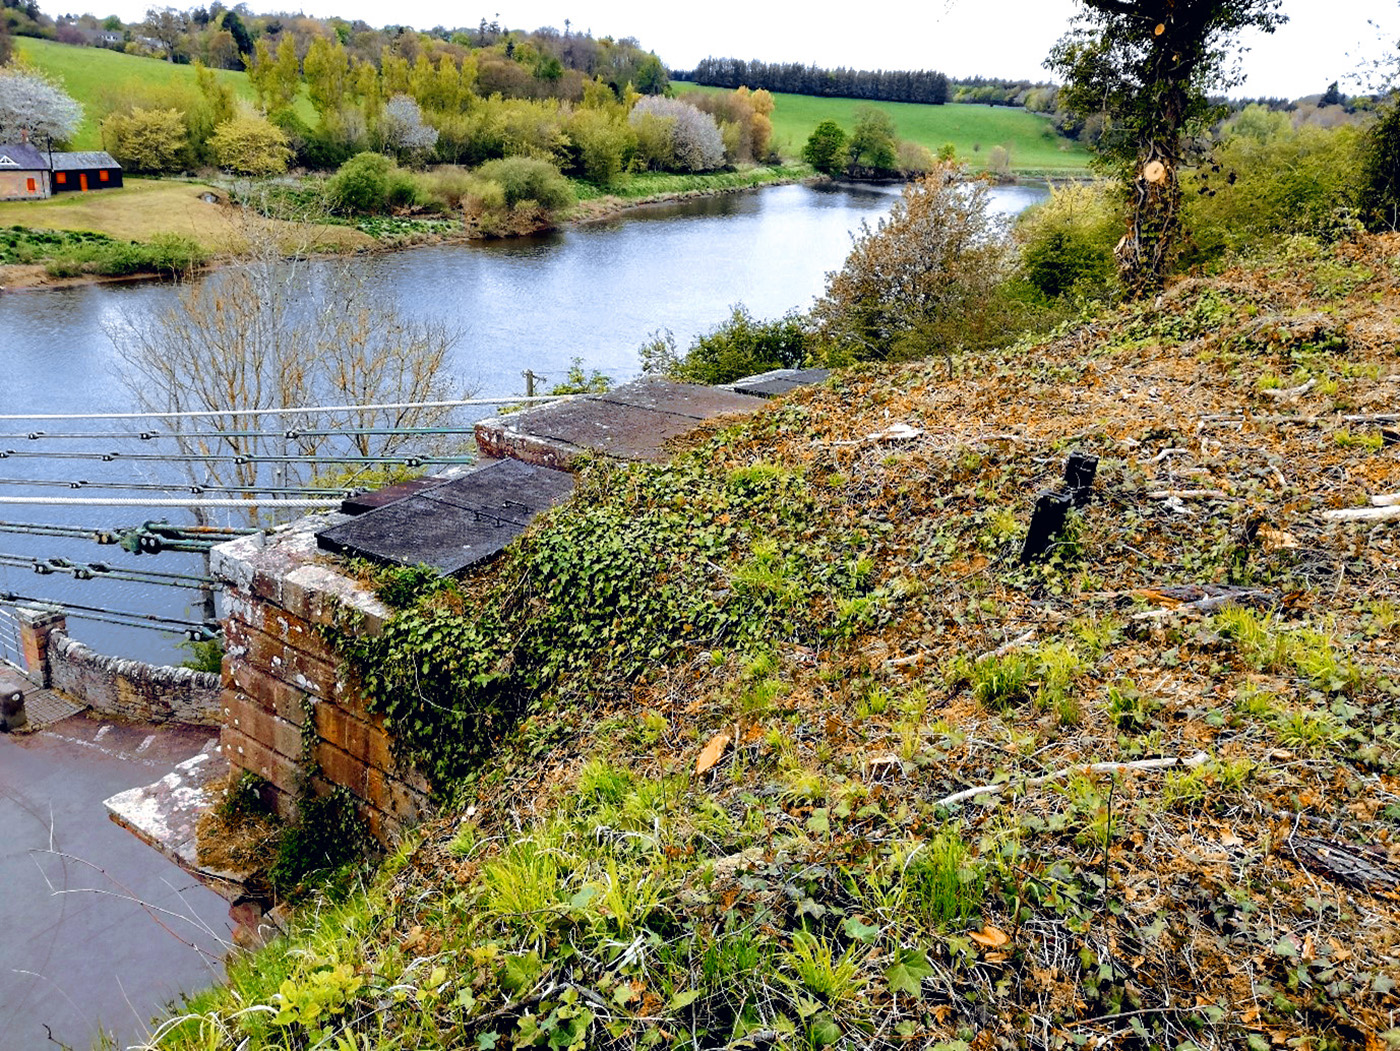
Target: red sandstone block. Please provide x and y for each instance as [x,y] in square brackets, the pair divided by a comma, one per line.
[291,630]
[247,754]
[342,768]
[283,699]
[243,713]
[394,797]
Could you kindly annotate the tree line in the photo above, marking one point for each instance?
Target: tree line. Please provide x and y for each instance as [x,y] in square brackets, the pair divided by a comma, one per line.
[926,86]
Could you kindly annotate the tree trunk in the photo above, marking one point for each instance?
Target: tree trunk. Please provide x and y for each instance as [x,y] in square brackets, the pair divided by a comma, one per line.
[1154,224]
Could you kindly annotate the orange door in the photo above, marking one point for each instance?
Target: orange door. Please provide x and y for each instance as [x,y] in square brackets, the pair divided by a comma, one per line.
[82,181]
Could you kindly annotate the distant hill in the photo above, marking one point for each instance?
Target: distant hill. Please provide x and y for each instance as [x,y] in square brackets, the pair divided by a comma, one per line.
[1031,139]
[90,72]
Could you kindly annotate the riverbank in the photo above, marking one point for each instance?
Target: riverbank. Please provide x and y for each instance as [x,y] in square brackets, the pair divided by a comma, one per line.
[842,765]
[147,208]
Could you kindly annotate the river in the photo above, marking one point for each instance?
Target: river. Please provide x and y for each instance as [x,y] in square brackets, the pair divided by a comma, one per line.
[594,292]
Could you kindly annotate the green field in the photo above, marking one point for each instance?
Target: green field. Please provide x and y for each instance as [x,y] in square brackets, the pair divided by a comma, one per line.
[90,74]
[973,130]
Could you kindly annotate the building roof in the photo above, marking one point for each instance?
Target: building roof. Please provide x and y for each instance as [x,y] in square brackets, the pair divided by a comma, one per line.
[16,156]
[71,162]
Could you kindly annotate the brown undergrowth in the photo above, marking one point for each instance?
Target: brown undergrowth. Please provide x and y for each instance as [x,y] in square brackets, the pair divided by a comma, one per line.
[749,845]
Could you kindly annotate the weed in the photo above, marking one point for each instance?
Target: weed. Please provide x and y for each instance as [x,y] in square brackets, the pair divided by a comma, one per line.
[1129,708]
[1369,442]
[998,682]
[942,884]
[834,979]
[1310,731]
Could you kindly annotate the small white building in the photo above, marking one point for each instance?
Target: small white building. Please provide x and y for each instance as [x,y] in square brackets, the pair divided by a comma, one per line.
[24,173]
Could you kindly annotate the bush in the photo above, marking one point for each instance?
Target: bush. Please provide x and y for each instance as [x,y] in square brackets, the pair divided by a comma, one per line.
[250,146]
[528,179]
[696,144]
[1269,180]
[1379,198]
[370,184]
[146,140]
[1067,241]
[921,278]
[742,347]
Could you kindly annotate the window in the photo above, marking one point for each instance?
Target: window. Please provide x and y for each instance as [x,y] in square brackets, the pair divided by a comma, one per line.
[32,188]
[61,177]
[102,175]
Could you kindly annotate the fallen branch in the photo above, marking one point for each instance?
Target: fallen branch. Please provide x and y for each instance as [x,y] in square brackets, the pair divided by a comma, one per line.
[1283,393]
[1169,452]
[1386,500]
[1007,647]
[1374,417]
[1363,514]
[1189,494]
[1093,768]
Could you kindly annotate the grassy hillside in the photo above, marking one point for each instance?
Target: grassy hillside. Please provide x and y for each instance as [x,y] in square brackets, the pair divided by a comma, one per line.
[1031,140]
[787,749]
[90,73]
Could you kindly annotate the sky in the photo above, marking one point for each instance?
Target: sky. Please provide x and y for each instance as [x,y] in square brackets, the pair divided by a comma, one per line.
[1324,40]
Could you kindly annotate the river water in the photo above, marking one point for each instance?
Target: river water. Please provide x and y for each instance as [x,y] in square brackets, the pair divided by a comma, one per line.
[595,293]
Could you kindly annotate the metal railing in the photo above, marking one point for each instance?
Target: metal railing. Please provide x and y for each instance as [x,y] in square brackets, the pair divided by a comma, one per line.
[11,648]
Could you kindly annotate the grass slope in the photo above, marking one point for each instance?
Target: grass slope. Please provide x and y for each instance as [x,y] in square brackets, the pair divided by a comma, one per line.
[143,208]
[1032,142]
[754,684]
[91,74]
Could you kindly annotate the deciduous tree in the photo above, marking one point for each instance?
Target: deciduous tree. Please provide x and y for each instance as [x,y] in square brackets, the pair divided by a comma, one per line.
[931,263]
[146,140]
[1149,66]
[826,148]
[32,105]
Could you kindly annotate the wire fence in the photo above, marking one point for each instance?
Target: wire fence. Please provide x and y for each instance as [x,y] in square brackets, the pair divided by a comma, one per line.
[11,647]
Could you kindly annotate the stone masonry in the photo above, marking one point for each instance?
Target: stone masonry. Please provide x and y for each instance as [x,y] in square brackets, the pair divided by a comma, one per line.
[279,672]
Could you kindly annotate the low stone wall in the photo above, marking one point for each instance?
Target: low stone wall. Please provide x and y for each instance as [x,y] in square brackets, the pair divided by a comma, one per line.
[286,694]
[131,689]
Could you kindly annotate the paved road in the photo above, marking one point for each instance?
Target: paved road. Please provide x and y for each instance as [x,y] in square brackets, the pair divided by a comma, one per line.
[96,928]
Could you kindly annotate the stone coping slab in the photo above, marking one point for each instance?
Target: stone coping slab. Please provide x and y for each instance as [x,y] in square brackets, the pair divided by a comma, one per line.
[166,813]
[632,422]
[779,381]
[455,524]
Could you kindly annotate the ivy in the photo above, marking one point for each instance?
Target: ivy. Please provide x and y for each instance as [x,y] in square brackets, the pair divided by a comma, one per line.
[647,561]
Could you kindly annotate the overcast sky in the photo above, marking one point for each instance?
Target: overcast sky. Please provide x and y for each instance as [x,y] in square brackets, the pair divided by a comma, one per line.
[1325,40]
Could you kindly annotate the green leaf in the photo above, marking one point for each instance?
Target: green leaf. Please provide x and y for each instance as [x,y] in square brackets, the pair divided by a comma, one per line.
[519,973]
[820,821]
[825,1031]
[486,1041]
[584,896]
[685,999]
[859,931]
[908,971]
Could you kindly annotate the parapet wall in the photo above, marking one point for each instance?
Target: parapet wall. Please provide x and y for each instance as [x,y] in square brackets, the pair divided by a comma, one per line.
[286,695]
[131,689]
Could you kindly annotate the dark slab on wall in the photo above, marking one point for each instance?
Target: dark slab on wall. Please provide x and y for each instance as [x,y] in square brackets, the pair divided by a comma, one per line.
[456,524]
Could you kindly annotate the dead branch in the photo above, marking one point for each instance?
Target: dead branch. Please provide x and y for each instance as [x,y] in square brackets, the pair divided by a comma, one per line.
[1285,393]
[1363,514]
[1189,494]
[1092,768]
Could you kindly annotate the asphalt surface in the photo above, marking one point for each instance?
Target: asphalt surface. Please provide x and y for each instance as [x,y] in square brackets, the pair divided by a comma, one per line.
[98,931]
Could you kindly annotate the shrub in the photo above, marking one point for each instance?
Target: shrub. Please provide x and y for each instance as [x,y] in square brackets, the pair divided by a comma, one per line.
[528,179]
[1269,180]
[146,140]
[1067,240]
[742,347]
[250,146]
[1379,197]
[370,183]
[696,144]
[926,271]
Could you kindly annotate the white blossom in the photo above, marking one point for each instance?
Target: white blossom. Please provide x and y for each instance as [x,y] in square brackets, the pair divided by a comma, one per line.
[696,142]
[30,104]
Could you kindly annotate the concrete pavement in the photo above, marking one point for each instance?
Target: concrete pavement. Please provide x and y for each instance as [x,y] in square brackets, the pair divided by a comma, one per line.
[97,930]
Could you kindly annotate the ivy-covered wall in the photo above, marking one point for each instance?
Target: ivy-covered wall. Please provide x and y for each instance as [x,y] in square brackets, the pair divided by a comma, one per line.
[290,707]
